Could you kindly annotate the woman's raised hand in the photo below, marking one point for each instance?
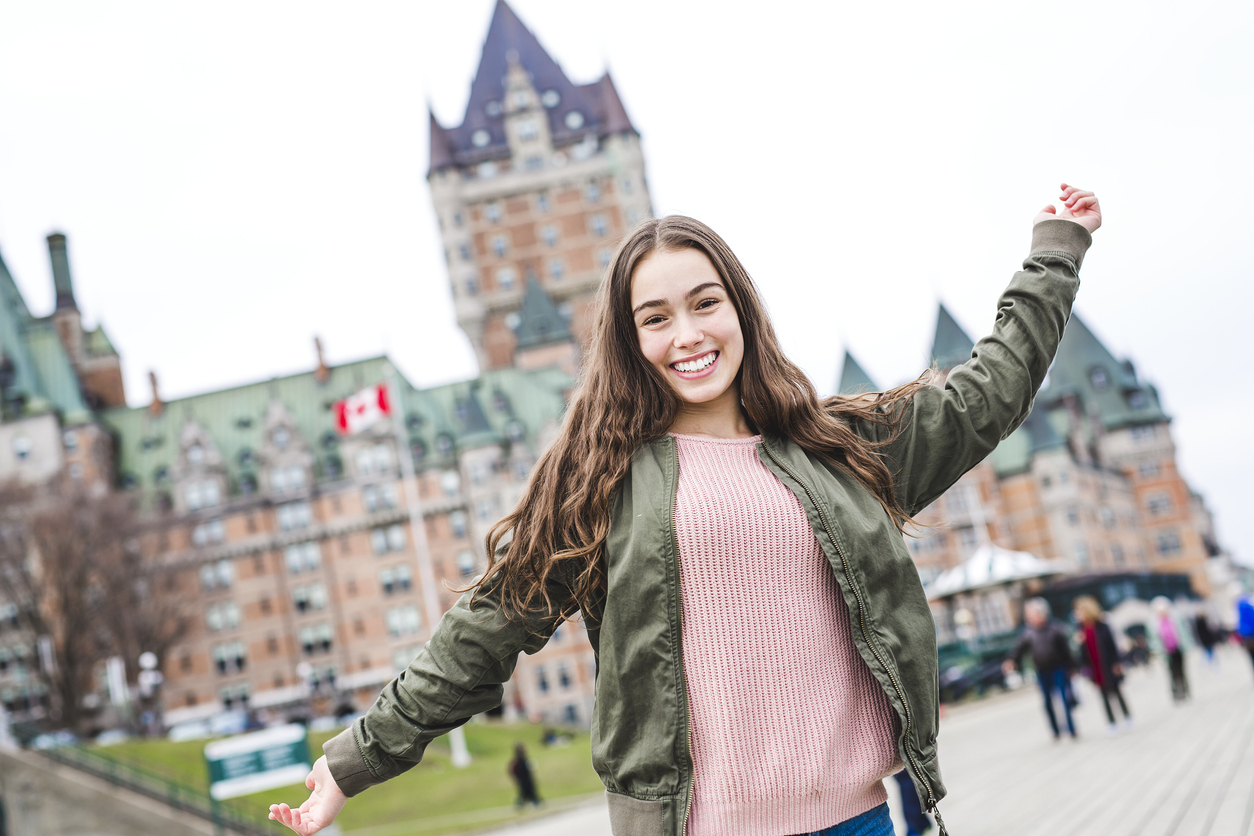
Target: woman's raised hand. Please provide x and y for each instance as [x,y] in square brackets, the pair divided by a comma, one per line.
[320,809]
[1077,205]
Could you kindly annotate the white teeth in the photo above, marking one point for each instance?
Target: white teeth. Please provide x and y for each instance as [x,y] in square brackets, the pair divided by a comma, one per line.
[696,365]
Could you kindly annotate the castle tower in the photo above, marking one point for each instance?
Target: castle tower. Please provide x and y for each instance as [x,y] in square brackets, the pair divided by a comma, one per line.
[538,184]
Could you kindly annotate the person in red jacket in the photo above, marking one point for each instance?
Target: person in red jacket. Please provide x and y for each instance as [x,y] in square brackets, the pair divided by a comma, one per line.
[1097,645]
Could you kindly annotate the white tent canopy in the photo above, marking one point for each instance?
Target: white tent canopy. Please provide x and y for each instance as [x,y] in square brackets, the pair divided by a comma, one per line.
[991,565]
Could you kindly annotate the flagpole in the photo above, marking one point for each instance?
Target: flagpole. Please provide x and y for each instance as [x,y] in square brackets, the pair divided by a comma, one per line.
[418,528]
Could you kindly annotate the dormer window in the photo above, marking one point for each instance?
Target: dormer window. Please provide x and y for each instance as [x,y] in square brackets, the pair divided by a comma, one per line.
[493,109]
[574,120]
[550,98]
[480,138]
[287,479]
[1099,378]
[195,455]
[203,494]
[526,130]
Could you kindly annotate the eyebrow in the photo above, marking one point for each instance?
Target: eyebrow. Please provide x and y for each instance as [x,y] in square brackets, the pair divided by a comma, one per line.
[658,303]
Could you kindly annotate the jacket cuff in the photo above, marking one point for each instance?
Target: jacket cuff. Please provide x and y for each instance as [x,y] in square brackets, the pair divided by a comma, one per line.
[346,763]
[1059,235]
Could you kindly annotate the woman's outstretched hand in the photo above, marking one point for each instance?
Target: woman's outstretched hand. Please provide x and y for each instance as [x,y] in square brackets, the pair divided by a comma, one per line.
[1077,205]
[320,809]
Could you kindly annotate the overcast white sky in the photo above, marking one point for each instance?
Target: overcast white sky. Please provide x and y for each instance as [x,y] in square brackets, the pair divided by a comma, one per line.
[237,177]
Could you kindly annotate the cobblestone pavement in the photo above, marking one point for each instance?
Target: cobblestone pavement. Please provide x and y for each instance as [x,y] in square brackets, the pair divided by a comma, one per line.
[1183,770]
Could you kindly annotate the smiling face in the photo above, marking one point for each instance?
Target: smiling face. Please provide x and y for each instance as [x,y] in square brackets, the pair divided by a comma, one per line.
[688,329]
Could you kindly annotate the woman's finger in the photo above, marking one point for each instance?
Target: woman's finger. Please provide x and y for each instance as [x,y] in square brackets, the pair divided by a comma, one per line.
[1089,202]
[1077,195]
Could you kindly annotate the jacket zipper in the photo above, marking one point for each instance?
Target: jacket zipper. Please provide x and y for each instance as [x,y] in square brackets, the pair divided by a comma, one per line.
[692,766]
[931,799]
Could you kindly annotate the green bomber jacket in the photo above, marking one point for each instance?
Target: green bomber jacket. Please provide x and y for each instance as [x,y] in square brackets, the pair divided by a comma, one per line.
[640,731]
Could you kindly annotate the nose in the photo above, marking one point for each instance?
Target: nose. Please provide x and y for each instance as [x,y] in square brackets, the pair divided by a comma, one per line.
[688,332]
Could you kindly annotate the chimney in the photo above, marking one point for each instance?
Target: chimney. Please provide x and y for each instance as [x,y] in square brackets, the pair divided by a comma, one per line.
[321,374]
[61,271]
[156,407]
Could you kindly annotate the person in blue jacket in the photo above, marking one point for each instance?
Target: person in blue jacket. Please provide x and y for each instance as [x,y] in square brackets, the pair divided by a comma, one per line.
[1245,624]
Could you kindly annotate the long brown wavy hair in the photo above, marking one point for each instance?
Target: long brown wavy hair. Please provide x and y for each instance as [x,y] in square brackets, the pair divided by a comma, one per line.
[558,531]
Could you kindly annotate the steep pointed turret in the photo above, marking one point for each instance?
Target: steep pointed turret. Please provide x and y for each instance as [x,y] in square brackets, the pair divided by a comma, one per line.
[853,379]
[542,178]
[441,149]
[951,345]
[614,117]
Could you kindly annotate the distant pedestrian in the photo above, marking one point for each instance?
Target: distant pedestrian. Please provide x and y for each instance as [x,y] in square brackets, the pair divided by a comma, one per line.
[1207,638]
[1169,636]
[1051,656]
[917,822]
[1097,645]
[524,778]
[1245,624]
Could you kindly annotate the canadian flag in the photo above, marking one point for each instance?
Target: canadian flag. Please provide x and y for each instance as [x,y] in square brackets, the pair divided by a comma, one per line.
[357,412]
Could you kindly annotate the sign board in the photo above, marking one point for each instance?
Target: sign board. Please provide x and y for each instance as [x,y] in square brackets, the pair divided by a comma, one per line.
[264,760]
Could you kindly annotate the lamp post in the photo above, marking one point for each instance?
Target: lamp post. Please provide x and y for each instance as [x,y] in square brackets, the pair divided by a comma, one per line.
[150,680]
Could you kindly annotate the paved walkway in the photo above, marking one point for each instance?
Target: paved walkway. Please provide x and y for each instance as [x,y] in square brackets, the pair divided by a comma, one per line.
[1185,770]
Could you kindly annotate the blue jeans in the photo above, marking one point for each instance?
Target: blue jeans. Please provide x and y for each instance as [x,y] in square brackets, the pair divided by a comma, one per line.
[1051,681]
[874,822]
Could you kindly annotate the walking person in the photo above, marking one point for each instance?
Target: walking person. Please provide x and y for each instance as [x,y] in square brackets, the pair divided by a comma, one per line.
[697,493]
[1046,641]
[1245,624]
[1168,632]
[524,778]
[916,821]
[1097,644]
[1207,637]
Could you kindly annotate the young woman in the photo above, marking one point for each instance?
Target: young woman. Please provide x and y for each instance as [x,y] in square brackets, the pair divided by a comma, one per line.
[765,652]
[1097,645]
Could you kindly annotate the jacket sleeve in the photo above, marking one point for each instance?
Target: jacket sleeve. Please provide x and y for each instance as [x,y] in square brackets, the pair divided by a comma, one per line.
[1020,648]
[942,432]
[459,673]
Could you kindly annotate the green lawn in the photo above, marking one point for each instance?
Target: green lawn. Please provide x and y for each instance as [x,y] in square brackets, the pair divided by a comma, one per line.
[431,799]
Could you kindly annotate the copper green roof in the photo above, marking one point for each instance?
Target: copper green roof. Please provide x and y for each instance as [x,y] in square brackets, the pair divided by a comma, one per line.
[1037,434]
[540,323]
[853,379]
[1106,387]
[516,405]
[951,346]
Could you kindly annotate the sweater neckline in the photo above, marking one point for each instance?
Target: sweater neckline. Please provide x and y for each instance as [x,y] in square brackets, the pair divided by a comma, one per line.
[705,439]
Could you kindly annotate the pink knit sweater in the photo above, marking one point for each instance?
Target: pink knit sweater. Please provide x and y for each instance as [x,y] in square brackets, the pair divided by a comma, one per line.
[790,732]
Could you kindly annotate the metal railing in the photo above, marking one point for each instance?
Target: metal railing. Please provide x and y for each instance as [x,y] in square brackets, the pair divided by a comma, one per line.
[225,817]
